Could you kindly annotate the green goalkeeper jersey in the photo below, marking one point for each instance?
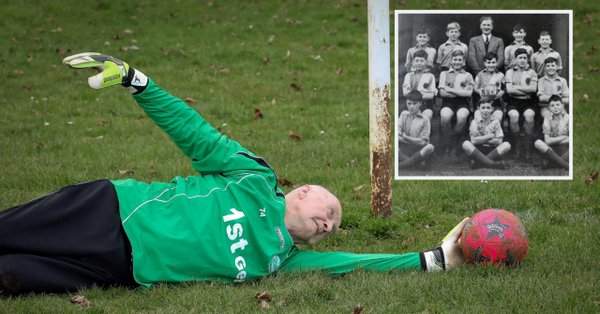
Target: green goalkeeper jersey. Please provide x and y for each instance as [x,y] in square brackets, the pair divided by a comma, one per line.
[225,224]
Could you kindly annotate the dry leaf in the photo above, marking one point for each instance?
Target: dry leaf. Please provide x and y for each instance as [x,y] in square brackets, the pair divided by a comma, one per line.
[266,60]
[18,72]
[358,309]
[126,172]
[190,100]
[339,71]
[587,19]
[271,39]
[592,177]
[81,301]
[257,114]
[284,182]
[296,87]
[592,51]
[263,299]
[294,136]
[358,188]
[127,31]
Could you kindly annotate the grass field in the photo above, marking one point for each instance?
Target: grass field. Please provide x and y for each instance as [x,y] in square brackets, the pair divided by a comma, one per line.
[303,64]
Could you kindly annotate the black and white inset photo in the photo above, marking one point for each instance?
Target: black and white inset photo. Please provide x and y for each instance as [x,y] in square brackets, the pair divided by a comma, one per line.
[483,95]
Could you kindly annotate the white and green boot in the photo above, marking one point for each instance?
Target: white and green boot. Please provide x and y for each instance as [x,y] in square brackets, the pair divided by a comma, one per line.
[112,71]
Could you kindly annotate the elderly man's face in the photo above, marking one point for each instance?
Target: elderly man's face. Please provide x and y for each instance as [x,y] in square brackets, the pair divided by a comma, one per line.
[312,213]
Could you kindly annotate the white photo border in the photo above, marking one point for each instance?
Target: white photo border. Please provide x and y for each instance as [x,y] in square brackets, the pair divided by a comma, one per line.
[397,176]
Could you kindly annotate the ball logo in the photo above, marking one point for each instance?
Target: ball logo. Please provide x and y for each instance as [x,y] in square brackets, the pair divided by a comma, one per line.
[496,229]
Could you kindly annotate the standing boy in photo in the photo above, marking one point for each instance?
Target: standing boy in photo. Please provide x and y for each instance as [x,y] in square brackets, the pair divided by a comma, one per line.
[486,143]
[455,88]
[545,51]
[489,83]
[521,85]
[422,40]
[421,80]
[519,34]
[555,146]
[482,44]
[551,84]
[444,53]
[413,133]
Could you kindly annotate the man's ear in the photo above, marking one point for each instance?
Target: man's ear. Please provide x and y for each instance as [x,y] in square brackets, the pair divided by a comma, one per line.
[303,191]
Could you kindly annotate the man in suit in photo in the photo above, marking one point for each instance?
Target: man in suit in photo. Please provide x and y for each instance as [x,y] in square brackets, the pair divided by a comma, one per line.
[480,45]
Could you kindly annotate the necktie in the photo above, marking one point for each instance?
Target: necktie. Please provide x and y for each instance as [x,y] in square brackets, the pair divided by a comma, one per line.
[486,41]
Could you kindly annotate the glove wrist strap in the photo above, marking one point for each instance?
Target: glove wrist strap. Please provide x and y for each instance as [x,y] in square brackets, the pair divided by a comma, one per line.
[433,260]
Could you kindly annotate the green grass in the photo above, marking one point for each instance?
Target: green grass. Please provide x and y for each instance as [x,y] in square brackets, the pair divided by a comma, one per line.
[232,57]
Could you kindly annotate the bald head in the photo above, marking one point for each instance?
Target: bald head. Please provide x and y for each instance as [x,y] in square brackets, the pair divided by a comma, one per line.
[312,213]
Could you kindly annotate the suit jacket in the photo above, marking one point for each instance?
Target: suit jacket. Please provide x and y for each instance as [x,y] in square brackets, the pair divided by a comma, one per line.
[477,52]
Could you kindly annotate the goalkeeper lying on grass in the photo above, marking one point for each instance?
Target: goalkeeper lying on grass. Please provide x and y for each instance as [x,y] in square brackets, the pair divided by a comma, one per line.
[229,223]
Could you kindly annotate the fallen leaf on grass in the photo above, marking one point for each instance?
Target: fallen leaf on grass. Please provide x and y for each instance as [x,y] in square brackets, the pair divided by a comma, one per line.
[126,172]
[81,301]
[296,87]
[358,309]
[263,299]
[587,19]
[266,60]
[294,136]
[593,177]
[339,71]
[592,51]
[190,100]
[284,182]
[258,114]
[358,188]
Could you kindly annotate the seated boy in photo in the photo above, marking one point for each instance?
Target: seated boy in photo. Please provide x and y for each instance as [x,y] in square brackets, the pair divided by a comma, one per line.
[489,84]
[551,84]
[455,88]
[545,51]
[421,80]
[521,85]
[555,146]
[422,43]
[486,144]
[519,34]
[413,133]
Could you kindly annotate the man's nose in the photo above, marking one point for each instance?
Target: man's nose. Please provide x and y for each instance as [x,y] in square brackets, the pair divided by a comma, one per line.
[327,226]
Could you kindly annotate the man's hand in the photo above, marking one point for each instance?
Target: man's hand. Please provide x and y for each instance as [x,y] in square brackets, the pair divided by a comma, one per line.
[112,70]
[449,255]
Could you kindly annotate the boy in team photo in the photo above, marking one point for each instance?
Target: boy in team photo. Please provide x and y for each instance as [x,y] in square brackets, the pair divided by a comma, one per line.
[518,34]
[422,43]
[555,146]
[489,83]
[551,84]
[455,88]
[545,51]
[444,52]
[421,80]
[521,86]
[486,143]
[413,133]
